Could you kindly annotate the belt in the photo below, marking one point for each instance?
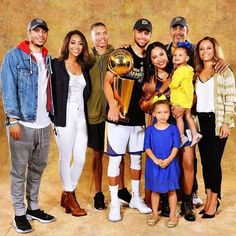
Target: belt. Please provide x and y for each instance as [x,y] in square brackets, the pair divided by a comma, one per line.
[206,114]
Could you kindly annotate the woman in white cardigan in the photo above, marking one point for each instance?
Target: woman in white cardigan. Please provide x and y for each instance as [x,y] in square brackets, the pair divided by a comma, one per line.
[216,99]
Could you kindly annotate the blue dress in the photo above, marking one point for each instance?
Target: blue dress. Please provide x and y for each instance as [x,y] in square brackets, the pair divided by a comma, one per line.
[161,143]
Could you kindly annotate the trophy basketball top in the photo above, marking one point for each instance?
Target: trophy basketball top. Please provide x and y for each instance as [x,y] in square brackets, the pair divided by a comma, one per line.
[120,62]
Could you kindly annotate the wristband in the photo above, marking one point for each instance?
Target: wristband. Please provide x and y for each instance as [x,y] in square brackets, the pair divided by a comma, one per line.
[13,122]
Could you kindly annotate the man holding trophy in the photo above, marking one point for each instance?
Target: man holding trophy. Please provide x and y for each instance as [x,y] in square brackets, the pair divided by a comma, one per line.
[126,121]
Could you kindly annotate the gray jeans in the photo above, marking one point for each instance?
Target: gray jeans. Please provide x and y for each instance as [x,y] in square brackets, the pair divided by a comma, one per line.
[29,157]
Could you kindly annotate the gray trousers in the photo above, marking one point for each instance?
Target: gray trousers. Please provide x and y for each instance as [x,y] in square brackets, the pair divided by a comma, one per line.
[29,157]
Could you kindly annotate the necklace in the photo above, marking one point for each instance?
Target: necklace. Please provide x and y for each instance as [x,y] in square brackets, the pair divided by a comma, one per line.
[206,74]
[157,77]
[73,67]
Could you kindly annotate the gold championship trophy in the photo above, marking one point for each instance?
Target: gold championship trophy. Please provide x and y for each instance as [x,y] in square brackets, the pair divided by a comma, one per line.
[121,63]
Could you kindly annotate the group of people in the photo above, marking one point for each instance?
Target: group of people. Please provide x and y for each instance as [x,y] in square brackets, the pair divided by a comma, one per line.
[75,93]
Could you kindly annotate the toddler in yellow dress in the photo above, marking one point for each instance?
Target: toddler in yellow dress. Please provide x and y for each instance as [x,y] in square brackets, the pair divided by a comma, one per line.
[181,94]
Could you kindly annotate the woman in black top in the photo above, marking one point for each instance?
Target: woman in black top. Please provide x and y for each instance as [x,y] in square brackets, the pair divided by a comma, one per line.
[70,89]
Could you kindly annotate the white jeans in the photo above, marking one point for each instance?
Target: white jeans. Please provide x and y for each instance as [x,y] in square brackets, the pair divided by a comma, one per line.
[72,140]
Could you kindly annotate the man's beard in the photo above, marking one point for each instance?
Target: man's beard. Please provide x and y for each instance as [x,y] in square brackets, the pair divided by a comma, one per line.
[36,44]
[39,46]
[141,46]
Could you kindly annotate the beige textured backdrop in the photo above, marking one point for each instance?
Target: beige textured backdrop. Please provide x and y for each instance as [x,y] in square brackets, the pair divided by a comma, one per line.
[206,17]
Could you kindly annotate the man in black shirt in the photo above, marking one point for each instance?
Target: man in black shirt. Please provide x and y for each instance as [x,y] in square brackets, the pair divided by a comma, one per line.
[122,136]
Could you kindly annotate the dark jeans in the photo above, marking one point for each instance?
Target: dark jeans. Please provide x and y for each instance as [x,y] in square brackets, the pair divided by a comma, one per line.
[211,149]
[195,184]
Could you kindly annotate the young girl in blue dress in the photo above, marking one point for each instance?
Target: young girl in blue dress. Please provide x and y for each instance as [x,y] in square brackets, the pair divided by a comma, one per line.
[161,144]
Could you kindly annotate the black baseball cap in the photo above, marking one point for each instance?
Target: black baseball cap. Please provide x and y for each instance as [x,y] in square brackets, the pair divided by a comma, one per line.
[37,22]
[179,20]
[143,24]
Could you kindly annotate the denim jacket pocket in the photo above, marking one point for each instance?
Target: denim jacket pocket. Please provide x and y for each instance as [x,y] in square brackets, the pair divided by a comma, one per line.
[27,92]
[24,72]
[25,80]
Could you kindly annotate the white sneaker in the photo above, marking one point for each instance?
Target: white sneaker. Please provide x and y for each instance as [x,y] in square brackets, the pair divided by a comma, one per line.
[197,201]
[114,214]
[138,203]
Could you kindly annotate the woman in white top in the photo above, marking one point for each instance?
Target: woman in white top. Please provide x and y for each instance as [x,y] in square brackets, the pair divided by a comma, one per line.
[215,109]
[71,89]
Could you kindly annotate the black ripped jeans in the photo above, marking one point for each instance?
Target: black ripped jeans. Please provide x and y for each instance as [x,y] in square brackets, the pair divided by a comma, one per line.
[211,148]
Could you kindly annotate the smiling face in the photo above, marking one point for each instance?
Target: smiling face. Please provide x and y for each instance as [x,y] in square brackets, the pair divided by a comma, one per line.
[159,58]
[99,36]
[37,37]
[75,46]
[161,112]
[142,38]
[206,50]
[180,57]
[178,34]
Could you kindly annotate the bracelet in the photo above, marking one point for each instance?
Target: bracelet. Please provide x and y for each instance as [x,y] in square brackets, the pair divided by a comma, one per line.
[13,122]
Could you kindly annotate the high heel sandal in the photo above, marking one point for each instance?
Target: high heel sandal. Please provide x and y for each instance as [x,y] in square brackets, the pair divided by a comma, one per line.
[207,216]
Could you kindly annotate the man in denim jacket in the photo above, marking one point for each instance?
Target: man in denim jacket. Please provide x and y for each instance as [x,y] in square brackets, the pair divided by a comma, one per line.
[26,97]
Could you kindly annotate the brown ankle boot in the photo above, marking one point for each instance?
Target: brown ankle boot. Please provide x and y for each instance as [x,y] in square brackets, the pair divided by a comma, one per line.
[71,205]
[63,196]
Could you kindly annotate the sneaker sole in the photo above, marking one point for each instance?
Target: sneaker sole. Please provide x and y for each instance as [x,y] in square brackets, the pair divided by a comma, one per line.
[142,212]
[114,220]
[30,217]
[21,231]
[99,209]
[123,202]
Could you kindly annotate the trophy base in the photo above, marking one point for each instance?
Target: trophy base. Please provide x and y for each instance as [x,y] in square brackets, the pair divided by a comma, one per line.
[124,120]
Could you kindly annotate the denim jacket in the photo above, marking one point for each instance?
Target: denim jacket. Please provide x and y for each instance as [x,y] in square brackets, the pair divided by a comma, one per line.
[20,83]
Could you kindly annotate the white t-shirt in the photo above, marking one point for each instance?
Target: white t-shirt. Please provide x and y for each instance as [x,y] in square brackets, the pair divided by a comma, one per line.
[75,94]
[205,95]
[42,118]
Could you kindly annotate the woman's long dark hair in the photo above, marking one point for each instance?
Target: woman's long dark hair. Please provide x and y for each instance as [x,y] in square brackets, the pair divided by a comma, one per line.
[83,58]
[149,69]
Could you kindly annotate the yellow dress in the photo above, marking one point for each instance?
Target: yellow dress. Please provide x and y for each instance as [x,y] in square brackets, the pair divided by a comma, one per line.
[181,87]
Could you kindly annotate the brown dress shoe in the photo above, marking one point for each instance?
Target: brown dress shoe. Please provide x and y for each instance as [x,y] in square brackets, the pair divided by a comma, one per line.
[72,206]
